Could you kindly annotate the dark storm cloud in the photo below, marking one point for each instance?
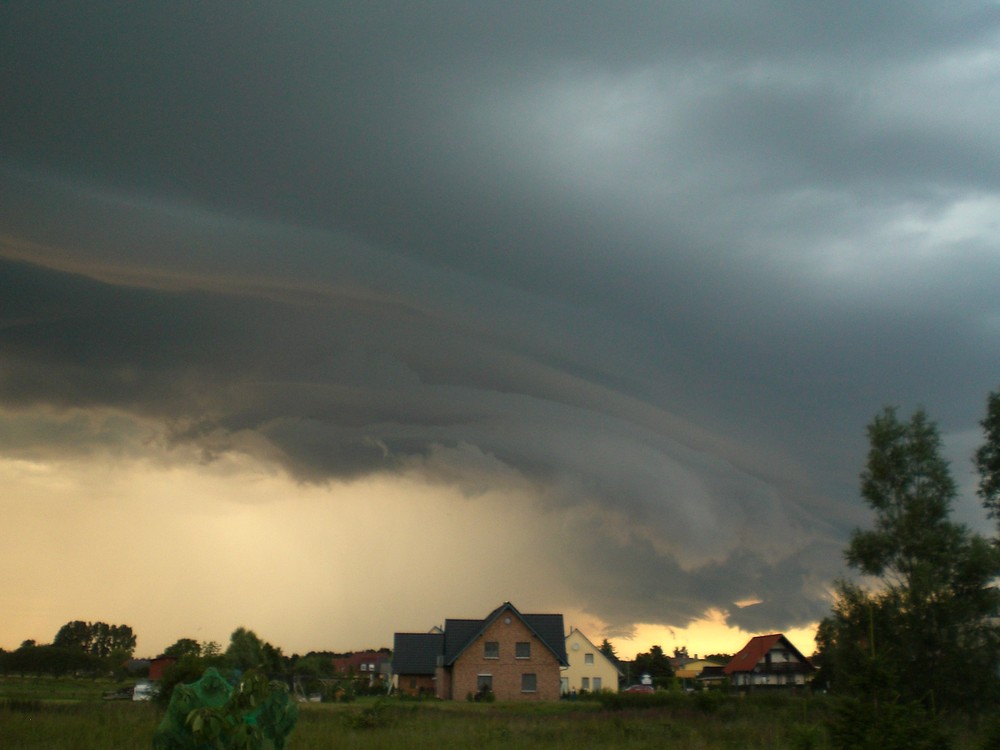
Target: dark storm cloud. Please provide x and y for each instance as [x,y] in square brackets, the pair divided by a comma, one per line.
[661,261]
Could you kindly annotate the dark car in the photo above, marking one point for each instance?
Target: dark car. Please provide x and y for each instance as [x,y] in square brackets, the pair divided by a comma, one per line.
[639,689]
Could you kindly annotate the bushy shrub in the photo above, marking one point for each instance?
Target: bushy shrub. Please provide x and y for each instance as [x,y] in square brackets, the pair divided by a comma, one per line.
[805,737]
[991,735]
[708,701]
[51,660]
[374,716]
[252,715]
[886,725]
[189,668]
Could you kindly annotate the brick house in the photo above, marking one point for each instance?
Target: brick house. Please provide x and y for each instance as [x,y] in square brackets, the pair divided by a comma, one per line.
[768,661]
[518,657]
[362,665]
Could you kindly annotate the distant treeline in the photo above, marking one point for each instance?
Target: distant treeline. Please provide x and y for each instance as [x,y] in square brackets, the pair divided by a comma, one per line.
[89,648]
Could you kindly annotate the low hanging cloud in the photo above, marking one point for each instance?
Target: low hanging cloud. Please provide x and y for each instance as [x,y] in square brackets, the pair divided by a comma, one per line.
[652,268]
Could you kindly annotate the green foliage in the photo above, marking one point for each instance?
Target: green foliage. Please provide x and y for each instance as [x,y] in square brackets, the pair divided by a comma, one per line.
[739,723]
[805,737]
[193,659]
[991,734]
[183,647]
[25,705]
[97,639]
[50,660]
[483,695]
[313,665]
[656,664]
[608,650]
[187,669]
[922,640]
[867,725]
[375,716]
[909,486]
[722,659]
[247,651]
[251,715]
[987,458]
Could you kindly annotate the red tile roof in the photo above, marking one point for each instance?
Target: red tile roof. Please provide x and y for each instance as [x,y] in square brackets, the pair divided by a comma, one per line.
[354,661]
[756,649]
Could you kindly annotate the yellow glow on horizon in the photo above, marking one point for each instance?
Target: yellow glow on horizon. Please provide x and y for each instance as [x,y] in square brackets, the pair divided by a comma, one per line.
[708,635]
[194,551]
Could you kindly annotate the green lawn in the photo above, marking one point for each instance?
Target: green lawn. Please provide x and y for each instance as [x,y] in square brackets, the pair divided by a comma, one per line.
[56,714]
[57,688]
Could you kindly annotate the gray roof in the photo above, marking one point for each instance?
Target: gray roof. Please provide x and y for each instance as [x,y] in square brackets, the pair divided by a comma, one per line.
[416,653]
[459,634]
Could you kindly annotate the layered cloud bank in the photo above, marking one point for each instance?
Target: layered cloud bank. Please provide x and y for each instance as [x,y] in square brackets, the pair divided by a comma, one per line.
[643,274]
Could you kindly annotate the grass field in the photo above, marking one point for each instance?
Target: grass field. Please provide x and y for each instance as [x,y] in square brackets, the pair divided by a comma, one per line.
[58,714]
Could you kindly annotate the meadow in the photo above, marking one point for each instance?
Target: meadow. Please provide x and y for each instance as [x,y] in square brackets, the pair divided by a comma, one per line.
[69,714]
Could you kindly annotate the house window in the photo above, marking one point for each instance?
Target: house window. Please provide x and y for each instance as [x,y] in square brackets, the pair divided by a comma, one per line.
[529,683]
[491,650]
[588,658]
[484,682]
[522,650]
[597,684]
[585,683]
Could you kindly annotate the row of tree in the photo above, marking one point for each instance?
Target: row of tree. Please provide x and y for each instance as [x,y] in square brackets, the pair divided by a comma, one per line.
[918,642]
[99,649]
[78,647]
[97,639]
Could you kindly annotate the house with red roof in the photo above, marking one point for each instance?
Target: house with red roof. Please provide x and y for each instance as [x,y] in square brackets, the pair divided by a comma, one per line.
[369,666]
[768,660]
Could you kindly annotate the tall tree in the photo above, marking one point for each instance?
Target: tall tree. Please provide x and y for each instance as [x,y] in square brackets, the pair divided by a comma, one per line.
[608,649]
[97,639]
[246,650]
[987,458]
[923,634]
[183,647]
[656,664]
[76,634]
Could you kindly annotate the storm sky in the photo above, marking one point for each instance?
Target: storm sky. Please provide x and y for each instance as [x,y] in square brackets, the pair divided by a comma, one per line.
[335,319]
